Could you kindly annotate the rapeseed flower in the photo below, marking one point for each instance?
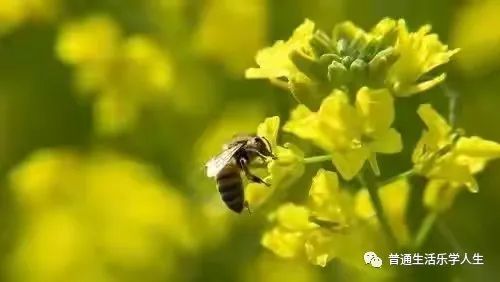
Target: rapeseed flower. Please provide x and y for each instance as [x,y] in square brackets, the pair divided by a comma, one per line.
[324,229]
[274,62]
[283,171]
[479,45]
[312,63]
[220,37]
[419,53]
[394,197]
[448,159]
[126,74]
[15,12]
[352,134]
[97,211]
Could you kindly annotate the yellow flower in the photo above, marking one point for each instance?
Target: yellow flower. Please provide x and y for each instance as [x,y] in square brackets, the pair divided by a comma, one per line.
[287,238]
[327,202]
[274,62]
[448,159]
[394,197]
[269,129]
[419,53]
[440,194]
[323,230]
[147,69]
[283,171]
[113,113]
[231,34]
[77,41]
[14,12]
[351,32]
[127,74]
[479,45]
[293,217]
[352,134]
[98,211]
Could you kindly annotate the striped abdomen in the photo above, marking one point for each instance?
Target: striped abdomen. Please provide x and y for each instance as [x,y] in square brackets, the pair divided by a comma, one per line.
[230,187]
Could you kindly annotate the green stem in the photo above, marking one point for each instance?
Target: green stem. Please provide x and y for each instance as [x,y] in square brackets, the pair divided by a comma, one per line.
[453,97]
[317,159]
[367,179]
[448,235]
[405,174]
[425,228]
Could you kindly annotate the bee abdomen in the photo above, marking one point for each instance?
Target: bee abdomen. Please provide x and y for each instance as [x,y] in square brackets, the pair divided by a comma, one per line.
[230,188]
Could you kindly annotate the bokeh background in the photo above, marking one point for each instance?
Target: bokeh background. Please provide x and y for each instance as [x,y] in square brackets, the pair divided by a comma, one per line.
[109,108]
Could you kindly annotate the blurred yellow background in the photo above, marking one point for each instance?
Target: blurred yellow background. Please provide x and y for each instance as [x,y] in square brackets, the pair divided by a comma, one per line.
[109,109]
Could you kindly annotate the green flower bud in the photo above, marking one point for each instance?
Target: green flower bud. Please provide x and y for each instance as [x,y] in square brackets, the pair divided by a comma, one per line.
[307,65]
[359,69]
[357,44]
[342,47]
[337,73]
[369,50]
[381,63]
[329,58]
[306,92]
[389,38]
[321,43]
[345,31]
[347,60]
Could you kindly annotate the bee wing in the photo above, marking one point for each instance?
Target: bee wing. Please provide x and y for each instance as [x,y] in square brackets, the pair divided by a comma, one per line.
[217,163]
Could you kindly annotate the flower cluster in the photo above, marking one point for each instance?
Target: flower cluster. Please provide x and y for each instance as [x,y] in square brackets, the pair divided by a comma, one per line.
[347,85]
[389,56]
[448,159]
[284,171]
[14,12]
[126,73]
[229,46]
[145,220]
[351,133]
[334,223]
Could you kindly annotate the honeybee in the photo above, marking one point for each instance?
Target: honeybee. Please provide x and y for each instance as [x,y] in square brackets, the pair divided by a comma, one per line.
[235,158]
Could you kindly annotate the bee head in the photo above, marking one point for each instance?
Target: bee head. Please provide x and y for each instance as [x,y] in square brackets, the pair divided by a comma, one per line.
[262,145]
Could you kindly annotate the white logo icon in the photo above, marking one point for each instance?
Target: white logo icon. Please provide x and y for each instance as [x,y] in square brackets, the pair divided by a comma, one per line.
[373,259]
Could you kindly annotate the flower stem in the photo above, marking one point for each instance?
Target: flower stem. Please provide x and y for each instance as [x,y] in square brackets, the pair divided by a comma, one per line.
[425,228]
[404,174]
[317,159]
[367,179]
[453,97]
[448,235]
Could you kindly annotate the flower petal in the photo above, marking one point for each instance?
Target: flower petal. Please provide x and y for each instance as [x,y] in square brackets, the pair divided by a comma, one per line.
[350,162]
[293,217]
[439,195]
[477,147]
[394,197]
[438,134]
[269,130]
[274,62]
[420,53]
[377,109]
[283,243]
[324,188]
[388,142]
[339,121]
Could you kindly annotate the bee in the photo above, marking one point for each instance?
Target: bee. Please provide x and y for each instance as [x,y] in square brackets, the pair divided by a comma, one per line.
[228,166]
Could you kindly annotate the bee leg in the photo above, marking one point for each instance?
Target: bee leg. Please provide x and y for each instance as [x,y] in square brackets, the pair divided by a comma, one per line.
[254,178]
[262,156]
[247,206]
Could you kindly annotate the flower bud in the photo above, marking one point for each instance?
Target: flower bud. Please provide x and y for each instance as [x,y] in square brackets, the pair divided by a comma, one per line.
[321,43]
[337,73]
